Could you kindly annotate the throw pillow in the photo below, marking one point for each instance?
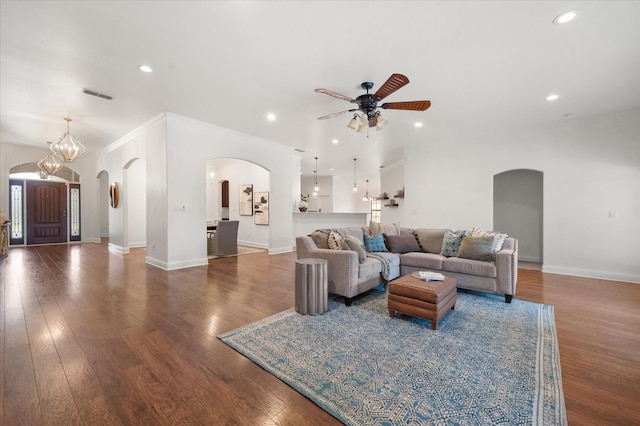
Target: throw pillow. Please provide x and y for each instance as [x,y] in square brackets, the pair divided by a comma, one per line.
[451,243]
[335,240]
[476,248]
[374,244]
[353,244]
[320,237]
[430,240]
[402,243]
[499,237]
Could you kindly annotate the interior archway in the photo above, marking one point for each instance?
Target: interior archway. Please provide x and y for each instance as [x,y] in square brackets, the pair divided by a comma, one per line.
[518,210]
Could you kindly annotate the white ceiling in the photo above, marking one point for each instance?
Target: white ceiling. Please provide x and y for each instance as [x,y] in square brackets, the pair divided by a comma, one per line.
[485,66]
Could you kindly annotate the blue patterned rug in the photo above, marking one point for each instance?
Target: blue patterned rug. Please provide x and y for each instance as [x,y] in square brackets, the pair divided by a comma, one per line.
[489,362]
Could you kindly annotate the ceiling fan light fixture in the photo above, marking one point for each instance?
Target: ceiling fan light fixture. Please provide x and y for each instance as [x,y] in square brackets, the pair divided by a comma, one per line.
[353,123]
[381,122]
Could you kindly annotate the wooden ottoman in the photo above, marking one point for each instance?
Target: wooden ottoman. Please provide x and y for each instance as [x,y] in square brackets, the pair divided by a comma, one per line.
[429,300]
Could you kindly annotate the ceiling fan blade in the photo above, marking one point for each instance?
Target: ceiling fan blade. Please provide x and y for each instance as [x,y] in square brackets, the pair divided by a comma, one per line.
[335,95]
[393,83]
[411,106]
[335,114]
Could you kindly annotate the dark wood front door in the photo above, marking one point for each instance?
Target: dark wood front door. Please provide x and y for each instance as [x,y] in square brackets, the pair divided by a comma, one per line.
[46,212]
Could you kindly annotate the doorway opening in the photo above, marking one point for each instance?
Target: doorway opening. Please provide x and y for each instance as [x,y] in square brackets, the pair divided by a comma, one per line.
[518,211]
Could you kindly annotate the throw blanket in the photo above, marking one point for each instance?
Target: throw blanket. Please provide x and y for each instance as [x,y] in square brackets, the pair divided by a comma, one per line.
[386,267]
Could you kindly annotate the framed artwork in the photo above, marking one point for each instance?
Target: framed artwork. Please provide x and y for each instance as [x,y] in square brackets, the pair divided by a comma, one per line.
[261,208]
[245,198]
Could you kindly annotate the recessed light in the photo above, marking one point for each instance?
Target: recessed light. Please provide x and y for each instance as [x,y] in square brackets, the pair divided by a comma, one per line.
[335,141]
[145,68]
[565,17]
[331,169]
[271,117]
[552,97]
[417,124]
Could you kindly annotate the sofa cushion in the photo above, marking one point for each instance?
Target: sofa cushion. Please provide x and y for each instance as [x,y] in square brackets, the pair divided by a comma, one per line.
[422,260]
[369,268]
[402,243]
[477,248]
[352,243]
[430,240]
[335,240]
[451,243]
[374,244]
[470,267]
[320,237]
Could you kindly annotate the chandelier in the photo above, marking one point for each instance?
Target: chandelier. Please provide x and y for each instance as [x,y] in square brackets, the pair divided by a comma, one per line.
[316,188]
[49,165]
[68,147]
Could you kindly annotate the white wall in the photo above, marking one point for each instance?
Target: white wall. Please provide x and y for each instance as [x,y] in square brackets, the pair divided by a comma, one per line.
[591,171]
[102,203]
[238,172]
[190,144]
[392,178]
[136,203]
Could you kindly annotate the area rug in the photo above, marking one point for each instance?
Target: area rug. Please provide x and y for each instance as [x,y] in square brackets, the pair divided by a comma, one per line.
[489,362]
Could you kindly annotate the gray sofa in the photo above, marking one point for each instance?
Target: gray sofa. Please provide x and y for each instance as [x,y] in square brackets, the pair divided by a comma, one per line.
[351,273]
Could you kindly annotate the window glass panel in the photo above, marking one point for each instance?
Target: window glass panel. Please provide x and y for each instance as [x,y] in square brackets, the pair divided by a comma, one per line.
[75,212]
[17,228]
[376,205]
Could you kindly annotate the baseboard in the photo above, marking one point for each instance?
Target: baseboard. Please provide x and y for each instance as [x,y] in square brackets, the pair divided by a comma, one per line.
[280,250]
[138,245]
[603,275]
[253,244]
[118,249]
[529,259]
[91,240]
[170,266]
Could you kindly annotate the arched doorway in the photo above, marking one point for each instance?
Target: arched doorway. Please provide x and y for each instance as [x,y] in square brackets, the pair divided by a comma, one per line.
[43,209]
[518,210]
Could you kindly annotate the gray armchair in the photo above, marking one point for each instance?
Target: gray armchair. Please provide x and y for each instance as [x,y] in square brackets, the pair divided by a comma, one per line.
[224,242]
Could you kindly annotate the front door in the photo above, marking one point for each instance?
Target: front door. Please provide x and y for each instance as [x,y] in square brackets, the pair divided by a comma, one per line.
[46,212]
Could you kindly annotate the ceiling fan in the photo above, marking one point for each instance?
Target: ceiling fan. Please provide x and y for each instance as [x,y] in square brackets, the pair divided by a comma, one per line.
[368,103]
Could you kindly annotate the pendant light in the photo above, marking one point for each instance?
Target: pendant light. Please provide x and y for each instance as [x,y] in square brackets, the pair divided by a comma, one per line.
[355,187]
[315,174]
[50,164]
[68,147]
[366,196]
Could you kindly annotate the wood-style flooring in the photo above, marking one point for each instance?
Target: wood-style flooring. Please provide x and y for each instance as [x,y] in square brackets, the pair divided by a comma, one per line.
[90,337]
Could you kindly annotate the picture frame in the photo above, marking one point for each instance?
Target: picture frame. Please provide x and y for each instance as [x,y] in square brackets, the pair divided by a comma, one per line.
[245,200]
[261,208]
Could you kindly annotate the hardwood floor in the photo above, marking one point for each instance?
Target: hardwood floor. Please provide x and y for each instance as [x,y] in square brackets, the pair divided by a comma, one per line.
[90,337]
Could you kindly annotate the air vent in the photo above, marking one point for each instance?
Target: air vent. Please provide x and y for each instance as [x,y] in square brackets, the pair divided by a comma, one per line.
[298,150]
[98,94]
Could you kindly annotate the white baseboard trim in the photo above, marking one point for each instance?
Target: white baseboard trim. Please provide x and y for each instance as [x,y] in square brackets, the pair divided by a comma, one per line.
[138,245]
[170,266]
[529,259]
[280,250]
[91,240]
[118,249]
[591,274]
[253,244]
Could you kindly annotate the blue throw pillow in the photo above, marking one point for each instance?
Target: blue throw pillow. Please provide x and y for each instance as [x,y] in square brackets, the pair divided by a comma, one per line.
[373,244]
